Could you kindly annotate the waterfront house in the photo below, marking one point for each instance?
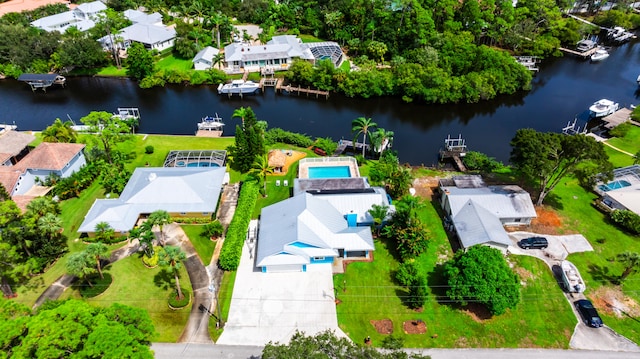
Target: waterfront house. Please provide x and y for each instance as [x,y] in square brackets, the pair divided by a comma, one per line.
[139,17]
[204,58]
[181,191]
[623,191]
[278,54]
[82,17]
[477,213]
[13,146]
[147,29]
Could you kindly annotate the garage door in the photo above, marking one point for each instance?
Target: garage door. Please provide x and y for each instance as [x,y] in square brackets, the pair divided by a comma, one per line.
[285,268]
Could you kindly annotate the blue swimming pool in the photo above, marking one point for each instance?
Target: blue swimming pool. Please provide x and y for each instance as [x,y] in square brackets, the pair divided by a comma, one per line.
[329,172]
[196,164]
[614,185]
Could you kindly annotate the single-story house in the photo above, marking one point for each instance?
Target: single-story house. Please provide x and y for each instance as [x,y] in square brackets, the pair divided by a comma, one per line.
[204,58]
[477,212]
[304,230]
[278,54]
[623,191]
[145,30]
[82,17]
[181,191]
[14,145]
[139,17]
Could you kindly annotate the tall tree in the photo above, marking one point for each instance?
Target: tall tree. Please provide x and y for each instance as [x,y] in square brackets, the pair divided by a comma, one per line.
[249,140]
[80,265]
[159,218]
[97,251]
[241,112]
[59,132]
[140,61]
[481,274]
[261,169]
[108,129]
[546,158]
[631,262]
[172,257]
[104,231]
[362,126]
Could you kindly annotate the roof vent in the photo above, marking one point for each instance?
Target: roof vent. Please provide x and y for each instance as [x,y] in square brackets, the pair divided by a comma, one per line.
[152,176]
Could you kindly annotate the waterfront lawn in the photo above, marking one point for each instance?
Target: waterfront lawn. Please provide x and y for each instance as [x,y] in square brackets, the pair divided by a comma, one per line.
[203,245]
[629,142]
[147,288]
[113,71]
[617,158]
[173,63]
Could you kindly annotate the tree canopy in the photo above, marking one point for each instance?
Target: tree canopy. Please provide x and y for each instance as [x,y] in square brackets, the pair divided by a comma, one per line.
[480,274]
[546,158]
[75,329]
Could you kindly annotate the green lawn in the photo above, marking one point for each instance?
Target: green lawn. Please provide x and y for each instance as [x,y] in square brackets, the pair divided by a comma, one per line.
[113,71]
[371,294]
[203,245]
[630,142]
[173,63]
[146,288]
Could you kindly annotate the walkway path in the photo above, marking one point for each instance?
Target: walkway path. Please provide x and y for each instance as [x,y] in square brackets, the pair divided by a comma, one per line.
[619,150]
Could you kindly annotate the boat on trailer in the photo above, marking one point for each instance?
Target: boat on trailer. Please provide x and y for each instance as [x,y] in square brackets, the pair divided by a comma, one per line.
[239,87]
[603,107]
[571,278]
[211,123]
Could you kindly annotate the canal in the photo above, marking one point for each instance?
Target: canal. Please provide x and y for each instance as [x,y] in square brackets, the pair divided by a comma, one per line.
[563,89]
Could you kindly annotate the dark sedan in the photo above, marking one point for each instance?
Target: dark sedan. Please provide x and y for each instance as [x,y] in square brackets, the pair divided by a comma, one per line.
[589,313]
[533,243]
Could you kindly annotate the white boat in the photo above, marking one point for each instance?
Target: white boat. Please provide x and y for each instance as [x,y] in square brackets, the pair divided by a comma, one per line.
[638,79]
[603,107]
[619,34]
[599,55]
[4,127]
[211,123]
[571,277]
[585,45]
[238,87]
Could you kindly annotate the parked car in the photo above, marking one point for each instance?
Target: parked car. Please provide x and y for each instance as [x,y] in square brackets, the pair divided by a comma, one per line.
[533,243]
[589,313]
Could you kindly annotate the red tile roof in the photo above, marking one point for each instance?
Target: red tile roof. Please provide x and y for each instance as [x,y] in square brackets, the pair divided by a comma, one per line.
[9,177]
[13,142]
[50,156]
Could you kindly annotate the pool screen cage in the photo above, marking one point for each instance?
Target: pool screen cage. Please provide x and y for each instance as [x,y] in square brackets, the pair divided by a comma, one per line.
[324,50]
[184,157]
[630,172]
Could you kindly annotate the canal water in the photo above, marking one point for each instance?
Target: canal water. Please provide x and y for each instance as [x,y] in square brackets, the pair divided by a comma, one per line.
[563,89]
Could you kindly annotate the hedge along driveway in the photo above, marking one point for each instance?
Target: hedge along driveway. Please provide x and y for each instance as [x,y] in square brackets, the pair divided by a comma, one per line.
[237,231]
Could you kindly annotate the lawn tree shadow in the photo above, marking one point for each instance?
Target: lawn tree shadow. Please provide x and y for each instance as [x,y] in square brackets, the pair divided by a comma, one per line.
[554,201]
[602,274]
[164,279]
[437,281]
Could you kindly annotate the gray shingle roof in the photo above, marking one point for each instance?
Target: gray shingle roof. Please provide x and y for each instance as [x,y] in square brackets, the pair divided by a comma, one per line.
[173,189]
[503,201]
[206,54]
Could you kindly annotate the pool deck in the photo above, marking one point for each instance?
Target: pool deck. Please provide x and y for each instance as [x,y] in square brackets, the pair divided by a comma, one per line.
[303,169]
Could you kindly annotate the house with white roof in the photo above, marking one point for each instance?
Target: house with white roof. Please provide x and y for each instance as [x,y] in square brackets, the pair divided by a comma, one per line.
[278,54]
[147,30]
[83,18]
[305,230]
[204,58]
[181,191]
[623,191]
[478,213]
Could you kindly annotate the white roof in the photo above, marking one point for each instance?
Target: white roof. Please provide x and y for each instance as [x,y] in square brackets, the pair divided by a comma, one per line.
[173,189]
[358,203]
[92,7]
[206,54]
[293,230]
[147,34]
[140,17]
[475,225]
[629,197]
[502,201]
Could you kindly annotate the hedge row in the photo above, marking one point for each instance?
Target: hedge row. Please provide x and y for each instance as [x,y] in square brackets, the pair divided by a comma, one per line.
[275,135]
[237,231]
[627,219]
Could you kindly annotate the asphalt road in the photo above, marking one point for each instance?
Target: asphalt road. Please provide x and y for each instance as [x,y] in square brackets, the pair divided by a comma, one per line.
[201,351]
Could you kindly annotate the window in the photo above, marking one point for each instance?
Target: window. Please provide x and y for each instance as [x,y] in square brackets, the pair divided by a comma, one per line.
[517,220]
[318,258]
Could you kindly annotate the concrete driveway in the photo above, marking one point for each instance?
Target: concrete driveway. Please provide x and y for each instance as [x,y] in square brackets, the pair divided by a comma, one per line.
[559,246]
[272,306]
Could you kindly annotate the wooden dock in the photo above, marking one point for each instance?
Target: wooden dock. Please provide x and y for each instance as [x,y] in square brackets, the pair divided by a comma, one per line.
[584,54]
[309,91]
[270,82]
[343,144]
[208,133]
[615,119]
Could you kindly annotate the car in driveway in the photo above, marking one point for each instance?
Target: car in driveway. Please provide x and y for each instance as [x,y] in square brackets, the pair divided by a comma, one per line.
[533,243]
[588,313]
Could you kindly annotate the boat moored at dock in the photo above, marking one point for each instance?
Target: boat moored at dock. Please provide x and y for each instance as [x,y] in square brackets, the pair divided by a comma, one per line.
[603,107]
[599,55]
[239,87]
[211,123]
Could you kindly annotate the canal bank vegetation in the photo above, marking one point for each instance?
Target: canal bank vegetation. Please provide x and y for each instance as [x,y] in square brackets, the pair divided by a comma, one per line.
[433,52]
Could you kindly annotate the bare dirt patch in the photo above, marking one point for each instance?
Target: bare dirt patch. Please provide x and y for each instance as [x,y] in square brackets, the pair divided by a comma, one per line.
[523,273]
[414,327]
[424,186]
[611,300]
[384,326]
[477,312]
[295,157]
[547,222]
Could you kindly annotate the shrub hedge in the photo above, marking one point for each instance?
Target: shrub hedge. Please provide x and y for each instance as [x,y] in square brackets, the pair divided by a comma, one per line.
[274,135]
[237,231]
[627,219]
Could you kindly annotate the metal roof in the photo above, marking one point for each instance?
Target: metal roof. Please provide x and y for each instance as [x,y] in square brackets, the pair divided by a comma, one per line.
[173,189]
[475,225]
[358,203]
[206,54]
[147,33]
[503,201]
[306,220]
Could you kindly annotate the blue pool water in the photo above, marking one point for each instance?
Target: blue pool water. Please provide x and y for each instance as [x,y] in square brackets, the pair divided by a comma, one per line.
[197,164]
[614,185]
[329,172]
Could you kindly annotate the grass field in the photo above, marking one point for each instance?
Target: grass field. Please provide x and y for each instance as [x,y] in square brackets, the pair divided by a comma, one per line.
[629,142]
[203,245]
[174,63]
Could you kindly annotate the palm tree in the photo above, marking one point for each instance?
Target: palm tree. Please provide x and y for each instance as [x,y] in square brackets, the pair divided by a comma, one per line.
[260,170]
[173,256]
[159,218]
[378,212]
[97,251]
[362,125]
[216,18]
[240,112]
[411,204]
[631,261]
[50,225]
[43,205]
[217,60]
[381,139]
[81,265]
[636,158]
[59,132]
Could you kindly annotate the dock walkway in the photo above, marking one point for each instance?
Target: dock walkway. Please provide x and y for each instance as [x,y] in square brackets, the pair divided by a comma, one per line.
[584,54]
[343,144]
[309,91]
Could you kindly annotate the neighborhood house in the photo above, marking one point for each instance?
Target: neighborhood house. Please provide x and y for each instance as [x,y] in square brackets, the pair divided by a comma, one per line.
[82,17]
[477,213]
[204,59]
[623,192]
[147,30]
